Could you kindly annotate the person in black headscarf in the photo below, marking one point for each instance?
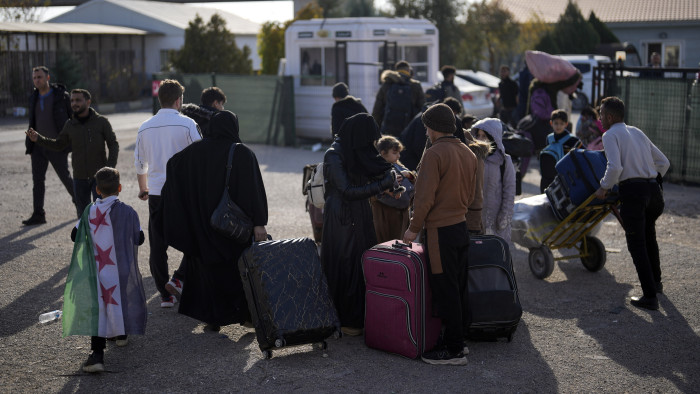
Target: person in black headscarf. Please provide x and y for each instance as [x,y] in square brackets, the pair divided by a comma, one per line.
[354,171]
[194,185]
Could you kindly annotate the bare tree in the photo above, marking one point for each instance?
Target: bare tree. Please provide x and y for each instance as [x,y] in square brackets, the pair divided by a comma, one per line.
[22,10]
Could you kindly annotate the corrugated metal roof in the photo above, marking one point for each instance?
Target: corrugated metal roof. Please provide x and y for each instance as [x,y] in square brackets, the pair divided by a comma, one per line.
[609,11]
[67,28]
[178,15]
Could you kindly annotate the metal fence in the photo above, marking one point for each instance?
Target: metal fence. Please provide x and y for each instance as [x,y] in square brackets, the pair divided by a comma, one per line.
[264,104]
[665,105]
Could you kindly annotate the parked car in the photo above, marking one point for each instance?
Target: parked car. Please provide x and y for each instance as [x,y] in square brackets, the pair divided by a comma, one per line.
[476,99]
[585,64]
[482,78]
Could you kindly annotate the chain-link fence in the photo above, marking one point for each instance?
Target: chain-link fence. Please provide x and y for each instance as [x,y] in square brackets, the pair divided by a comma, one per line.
[264,104]
[666,106]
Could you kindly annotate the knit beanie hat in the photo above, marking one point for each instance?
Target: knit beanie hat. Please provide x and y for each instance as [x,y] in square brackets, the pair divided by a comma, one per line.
[340,90]
[440,118]
[492,126]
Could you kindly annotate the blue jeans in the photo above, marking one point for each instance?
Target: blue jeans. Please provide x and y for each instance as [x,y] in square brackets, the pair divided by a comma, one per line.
[82,189]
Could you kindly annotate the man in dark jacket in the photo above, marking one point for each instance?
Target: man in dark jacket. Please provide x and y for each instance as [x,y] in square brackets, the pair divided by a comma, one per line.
[398,100]
[86,133]
[508,91]
[344,107]
[213,100]
[49,109]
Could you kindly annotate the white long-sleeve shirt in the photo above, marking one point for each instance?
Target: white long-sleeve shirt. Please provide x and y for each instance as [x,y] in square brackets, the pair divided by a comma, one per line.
[631,154]
[159,138]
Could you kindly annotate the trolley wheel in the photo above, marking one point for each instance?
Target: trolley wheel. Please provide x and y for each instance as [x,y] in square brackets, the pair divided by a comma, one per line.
[596,254]
[541,262]
[280,342]
[267,354]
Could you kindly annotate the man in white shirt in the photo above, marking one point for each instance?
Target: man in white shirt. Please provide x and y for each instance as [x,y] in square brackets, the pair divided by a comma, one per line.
[159,138]
[637,165]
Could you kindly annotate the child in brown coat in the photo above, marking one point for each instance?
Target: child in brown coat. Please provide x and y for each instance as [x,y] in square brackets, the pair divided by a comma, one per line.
[390,211]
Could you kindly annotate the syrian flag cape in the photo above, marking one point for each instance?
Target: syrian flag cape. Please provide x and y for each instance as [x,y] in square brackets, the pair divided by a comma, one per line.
[104,293]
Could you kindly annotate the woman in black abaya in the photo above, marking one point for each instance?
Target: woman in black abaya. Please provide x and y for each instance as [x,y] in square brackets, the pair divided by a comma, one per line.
[212,292]
[354,172]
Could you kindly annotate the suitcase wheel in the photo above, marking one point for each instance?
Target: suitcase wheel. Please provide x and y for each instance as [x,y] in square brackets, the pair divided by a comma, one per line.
[323,345]
[541,261]
[280,342]
[267,354]
[337,334]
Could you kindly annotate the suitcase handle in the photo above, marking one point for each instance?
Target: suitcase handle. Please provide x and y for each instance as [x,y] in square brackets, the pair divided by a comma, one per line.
[399,245]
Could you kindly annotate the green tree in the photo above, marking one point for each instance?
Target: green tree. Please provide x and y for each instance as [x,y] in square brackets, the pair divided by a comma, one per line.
[491,34]
[358,8]
[571,34]
[606,35]
[211,47]
[271,38]
[443,13]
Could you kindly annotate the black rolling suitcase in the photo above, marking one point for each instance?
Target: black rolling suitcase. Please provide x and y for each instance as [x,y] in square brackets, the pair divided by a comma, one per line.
[493,299]
[287,294]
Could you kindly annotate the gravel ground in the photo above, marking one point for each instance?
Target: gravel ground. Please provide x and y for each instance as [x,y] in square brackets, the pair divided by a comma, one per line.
[578,332]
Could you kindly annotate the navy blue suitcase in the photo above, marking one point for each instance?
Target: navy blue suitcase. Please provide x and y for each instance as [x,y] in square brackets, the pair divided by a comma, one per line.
[579,175]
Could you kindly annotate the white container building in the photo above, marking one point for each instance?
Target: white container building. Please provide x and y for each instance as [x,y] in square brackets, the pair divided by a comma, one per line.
[321,52]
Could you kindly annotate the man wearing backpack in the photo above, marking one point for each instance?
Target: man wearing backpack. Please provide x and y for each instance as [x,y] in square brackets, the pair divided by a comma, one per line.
[445,88]
[398,100]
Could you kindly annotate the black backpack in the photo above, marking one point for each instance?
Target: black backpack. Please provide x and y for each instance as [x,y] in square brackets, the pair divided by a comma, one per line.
[398,109]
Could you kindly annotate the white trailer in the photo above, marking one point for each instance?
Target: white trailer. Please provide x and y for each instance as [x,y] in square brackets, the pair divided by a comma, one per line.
[321,52]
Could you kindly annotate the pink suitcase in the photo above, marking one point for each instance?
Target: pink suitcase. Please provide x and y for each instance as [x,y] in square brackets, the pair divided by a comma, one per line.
[398,306]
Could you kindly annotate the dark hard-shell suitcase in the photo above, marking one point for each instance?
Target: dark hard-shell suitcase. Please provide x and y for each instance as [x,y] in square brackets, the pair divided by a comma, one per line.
[287,294]
[398,305]
[492,298]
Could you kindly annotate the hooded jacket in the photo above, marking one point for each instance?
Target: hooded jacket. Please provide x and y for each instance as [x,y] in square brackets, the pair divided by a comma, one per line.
[481,150]
[88,141]
[388,78]
[499,186]
[201,114]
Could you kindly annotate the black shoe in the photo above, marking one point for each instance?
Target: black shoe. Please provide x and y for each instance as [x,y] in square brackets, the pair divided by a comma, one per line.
[645,302]
[36,218]
[659,288]
[444,357]
[94,363]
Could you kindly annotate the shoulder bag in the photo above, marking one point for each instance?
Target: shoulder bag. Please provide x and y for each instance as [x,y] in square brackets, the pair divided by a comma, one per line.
[228,218]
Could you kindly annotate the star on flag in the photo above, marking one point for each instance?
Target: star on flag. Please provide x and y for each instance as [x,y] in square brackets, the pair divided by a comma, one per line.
[102,257]
[99,219]
[107,295]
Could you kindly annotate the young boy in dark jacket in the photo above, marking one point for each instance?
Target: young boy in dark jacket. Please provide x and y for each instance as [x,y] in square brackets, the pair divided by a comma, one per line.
[559,143]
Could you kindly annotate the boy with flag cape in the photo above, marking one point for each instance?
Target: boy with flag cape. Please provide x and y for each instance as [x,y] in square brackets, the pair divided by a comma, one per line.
[104,295]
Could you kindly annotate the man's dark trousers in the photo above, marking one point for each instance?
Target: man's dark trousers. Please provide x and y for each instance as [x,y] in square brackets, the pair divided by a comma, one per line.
[83,189]
[41,157]
[449,288]
[642,204]
[158,259]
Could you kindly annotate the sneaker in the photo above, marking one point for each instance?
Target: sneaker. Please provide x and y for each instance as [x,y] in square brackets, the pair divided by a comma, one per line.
[122,340]
[168,302]
[444,357]
[174,287]
[36,218]
[351,331]
[94,363]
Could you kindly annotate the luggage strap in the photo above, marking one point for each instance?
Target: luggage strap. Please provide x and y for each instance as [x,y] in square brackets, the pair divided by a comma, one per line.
[592,189]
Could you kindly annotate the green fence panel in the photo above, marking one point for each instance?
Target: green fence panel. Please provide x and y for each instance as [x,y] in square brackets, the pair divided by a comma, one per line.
[692,167]
[659,107]
[264,104]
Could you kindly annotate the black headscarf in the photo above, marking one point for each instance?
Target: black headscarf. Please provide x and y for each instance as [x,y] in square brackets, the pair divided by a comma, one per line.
[357,136]
[224,125]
